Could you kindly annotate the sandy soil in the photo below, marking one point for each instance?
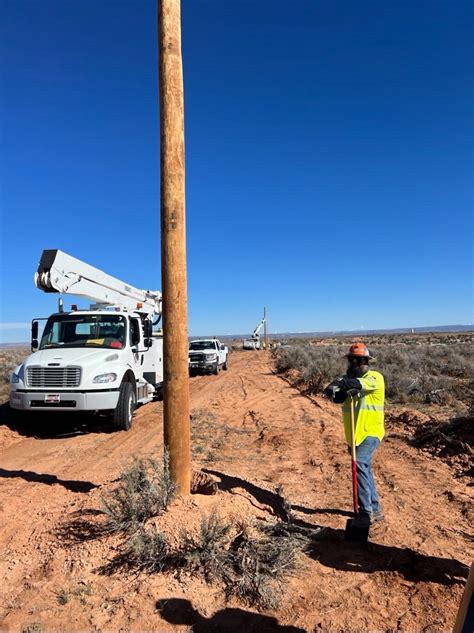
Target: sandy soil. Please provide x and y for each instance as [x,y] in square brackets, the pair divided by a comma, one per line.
[259,436]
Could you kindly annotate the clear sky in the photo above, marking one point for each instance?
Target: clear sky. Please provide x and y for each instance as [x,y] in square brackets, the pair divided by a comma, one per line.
[329,157]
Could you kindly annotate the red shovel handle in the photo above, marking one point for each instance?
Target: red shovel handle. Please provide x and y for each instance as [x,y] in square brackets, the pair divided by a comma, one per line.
[354,461]
[354,487]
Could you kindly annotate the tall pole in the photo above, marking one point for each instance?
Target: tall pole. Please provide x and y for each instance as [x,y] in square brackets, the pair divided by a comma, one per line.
[265,332]
[173,245]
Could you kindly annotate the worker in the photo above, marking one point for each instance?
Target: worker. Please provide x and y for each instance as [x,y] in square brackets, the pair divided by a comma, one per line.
[367,388]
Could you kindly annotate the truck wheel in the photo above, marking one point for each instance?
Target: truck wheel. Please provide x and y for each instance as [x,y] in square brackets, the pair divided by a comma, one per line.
[226,363]
[123,413]
[215,371]
[159,393]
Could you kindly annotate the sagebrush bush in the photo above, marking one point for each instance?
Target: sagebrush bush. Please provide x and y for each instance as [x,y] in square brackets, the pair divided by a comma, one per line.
[9,359]
[206,553]
[424,373]
[251,563]
[258,566]
[148,550]
[145,490]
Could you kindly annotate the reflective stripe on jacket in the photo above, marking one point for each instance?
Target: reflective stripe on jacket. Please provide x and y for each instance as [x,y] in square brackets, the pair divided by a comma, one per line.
[368,409]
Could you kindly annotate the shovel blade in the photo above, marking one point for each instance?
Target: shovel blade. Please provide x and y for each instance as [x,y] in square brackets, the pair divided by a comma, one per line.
[355,533]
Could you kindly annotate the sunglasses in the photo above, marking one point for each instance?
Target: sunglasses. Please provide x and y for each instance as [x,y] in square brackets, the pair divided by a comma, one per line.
[358,359]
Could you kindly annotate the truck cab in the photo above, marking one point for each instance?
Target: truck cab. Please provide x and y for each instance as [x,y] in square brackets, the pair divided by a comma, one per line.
[207,356]
[90,360]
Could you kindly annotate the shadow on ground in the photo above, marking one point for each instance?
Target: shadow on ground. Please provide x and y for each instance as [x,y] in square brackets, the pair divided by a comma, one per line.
[269,498]
[181,611]
[342,513]
[44,478]
[331,550]
[80,528]
[53,425]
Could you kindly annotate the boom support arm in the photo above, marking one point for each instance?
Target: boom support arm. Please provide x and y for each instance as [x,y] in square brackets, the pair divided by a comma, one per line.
[60,272]
[258,328]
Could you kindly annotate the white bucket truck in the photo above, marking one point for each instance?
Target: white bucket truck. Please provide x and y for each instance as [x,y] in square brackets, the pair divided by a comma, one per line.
[106,358]
[254,341]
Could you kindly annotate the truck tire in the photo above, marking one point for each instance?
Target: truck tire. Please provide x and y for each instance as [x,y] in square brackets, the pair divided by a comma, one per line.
[225,366]
[215,371]
[123,413]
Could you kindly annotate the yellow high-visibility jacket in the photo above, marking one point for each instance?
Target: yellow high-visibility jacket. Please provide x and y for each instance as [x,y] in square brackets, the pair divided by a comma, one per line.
[368,409]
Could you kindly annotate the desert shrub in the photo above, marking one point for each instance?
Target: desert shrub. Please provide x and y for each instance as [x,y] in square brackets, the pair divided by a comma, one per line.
[148,550]
[252,564]
[206,553]
[144,490]
[10,357]
[420,373]
[316,365]
[259,565]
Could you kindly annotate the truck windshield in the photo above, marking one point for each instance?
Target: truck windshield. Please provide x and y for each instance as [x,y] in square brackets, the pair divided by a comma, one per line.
[88,330]
[202,345]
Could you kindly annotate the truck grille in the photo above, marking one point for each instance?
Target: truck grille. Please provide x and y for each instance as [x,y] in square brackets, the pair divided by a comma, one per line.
[53,376]
[196,357]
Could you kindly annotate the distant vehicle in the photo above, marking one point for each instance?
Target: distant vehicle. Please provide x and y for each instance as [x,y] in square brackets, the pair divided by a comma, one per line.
[254,341]
[207,356]
[105,358]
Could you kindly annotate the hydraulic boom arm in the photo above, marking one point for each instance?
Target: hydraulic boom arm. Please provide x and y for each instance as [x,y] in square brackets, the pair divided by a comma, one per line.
[59,272]
[258,328]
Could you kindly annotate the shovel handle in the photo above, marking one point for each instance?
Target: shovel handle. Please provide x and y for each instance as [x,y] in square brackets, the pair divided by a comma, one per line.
[355,498]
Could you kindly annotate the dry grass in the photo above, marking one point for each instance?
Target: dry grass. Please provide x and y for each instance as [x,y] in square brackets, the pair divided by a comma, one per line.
[427,372]
[10,357]
[209,435]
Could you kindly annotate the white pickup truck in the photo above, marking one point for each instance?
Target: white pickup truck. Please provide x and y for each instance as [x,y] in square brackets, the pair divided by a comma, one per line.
[207,355]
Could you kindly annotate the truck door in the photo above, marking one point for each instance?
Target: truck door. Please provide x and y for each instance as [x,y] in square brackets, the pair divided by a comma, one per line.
[220,352]
[134,337]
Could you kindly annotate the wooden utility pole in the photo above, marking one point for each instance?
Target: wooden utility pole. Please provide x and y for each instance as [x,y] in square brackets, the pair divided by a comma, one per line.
[173,245]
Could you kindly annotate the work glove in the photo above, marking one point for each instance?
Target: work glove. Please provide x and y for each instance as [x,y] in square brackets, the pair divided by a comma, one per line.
[335,393]
[352,393]
[340,388]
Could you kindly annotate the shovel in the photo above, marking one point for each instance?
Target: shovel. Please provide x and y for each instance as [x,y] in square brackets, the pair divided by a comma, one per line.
[353,532]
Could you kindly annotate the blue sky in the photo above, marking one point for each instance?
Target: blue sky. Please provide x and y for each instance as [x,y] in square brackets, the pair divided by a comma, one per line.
[329,158]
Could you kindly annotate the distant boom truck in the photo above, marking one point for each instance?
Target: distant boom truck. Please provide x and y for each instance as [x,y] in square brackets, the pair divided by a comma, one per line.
[105,358]
[254,341]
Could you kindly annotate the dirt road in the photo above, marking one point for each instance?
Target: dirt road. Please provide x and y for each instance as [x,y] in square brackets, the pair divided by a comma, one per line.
[256,435]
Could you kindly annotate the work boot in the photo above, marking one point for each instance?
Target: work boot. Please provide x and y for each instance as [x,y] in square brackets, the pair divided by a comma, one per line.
[361,520]
[377,517]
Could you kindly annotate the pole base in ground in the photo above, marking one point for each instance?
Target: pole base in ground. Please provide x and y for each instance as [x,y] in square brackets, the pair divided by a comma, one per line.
[356,533]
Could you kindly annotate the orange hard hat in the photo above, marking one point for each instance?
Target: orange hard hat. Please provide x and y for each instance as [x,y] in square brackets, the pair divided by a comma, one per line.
[359,349]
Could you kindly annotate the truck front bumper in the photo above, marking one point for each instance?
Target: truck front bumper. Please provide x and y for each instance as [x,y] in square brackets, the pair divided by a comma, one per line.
[68,400]
[202,366]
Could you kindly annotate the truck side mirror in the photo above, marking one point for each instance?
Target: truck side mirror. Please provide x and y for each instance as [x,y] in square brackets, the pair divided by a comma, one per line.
[148,342]
[34,336]
[222,346]
[147,329]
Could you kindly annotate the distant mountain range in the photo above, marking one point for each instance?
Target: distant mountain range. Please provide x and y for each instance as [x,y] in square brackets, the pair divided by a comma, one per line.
[326,334]
[403,330]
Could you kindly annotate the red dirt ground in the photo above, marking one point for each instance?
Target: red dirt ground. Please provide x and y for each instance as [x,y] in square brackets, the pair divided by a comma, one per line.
[257,435]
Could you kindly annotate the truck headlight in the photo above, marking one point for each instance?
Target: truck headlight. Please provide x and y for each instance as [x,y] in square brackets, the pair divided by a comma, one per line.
[14,378]
[101,378]
[211,357]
